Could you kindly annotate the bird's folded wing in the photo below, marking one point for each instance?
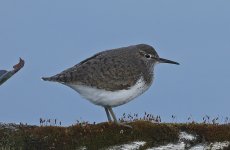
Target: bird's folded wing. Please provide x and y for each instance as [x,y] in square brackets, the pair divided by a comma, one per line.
[103,72]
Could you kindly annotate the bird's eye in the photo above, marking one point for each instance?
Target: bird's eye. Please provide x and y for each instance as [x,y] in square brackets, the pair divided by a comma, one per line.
[147,56]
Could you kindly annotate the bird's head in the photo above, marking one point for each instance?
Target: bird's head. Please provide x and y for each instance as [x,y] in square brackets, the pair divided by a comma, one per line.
[149,55]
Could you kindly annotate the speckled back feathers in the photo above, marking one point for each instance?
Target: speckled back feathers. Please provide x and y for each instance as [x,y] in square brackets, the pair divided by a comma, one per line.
[110,70]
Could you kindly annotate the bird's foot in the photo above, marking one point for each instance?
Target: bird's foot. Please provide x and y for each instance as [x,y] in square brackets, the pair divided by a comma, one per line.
[124,125]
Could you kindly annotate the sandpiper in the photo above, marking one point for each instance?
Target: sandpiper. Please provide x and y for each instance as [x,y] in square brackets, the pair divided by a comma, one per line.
[113,77]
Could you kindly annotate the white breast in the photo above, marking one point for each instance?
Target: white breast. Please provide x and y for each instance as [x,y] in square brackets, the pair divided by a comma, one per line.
[111,98]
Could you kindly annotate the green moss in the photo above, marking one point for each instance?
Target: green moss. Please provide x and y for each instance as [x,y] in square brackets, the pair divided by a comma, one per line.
[91,136]
[102,135]
[208,132]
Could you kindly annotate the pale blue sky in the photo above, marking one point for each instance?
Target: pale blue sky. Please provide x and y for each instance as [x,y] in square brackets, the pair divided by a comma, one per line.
[54,35]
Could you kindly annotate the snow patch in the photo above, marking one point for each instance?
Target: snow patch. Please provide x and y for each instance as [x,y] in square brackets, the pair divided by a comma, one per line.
[211,146]
[186,136]
[181,145]
[131,146]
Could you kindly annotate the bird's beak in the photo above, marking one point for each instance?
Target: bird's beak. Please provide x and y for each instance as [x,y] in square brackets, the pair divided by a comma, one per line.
[162,60]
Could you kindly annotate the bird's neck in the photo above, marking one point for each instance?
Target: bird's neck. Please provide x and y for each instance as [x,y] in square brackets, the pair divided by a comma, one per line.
[149,75]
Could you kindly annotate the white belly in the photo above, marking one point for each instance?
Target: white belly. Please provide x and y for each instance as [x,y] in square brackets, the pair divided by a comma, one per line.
[110,98]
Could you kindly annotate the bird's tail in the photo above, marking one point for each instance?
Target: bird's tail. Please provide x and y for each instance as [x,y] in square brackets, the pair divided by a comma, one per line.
[48,79]
[56,78]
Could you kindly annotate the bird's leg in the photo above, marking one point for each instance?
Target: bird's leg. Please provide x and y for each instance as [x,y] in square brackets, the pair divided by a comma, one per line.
[108,115]
[113,115]
[115,119]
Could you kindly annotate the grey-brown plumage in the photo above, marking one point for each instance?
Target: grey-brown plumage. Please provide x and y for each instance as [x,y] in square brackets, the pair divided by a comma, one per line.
[113,77]
[111,70]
